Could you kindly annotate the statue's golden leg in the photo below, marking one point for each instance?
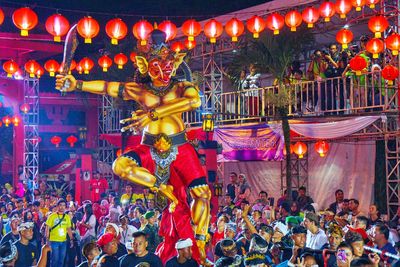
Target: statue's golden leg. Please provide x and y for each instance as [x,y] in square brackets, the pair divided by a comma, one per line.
[168,192]
[129,170]
[200,209]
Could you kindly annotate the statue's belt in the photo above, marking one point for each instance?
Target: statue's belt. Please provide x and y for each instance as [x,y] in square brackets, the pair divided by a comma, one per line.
[173,139]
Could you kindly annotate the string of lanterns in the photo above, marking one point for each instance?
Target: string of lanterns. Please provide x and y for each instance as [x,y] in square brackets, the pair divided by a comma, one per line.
[15,119]
[71,140]
[300,149]
[377,25]
[57,25]
[116,29]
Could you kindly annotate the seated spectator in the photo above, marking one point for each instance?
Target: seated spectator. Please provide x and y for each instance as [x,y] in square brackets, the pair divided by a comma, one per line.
[140,253]
[356,241]
[344,255]
[90,251]
[316,238]
[184,257]
[108,244]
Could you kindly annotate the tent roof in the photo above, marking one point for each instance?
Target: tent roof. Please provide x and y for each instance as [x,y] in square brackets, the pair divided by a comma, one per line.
[65,167]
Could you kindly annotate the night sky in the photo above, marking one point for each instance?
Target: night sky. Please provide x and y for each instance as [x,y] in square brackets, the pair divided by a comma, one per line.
[177,10]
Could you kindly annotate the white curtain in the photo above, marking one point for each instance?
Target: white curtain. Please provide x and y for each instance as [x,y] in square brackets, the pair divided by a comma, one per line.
[348,166]
[335,129]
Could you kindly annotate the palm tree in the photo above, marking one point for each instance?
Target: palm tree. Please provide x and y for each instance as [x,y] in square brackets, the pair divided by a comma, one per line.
[274,55]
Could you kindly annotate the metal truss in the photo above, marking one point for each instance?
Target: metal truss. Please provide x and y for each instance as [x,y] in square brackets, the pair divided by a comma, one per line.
[213,82]
[31,131]
[299,168]
[392,155]
[109,118]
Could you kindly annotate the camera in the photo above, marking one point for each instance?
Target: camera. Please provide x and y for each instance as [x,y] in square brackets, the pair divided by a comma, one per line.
[325,52]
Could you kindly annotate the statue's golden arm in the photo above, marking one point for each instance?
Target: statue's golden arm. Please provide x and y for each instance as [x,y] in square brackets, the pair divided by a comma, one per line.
[190,101]
[113,89]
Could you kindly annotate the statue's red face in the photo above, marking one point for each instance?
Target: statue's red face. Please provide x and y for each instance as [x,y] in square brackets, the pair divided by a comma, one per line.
[161,70]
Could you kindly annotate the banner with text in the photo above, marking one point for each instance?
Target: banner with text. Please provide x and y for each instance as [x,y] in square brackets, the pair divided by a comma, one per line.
[248,143]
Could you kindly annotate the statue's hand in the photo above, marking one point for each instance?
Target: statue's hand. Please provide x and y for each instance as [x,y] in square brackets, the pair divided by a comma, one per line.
[138,121]
[65,83]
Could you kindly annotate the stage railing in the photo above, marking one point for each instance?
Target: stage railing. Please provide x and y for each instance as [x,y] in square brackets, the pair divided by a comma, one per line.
[367,93]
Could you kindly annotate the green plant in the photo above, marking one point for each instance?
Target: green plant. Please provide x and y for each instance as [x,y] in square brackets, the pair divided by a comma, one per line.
[274,55]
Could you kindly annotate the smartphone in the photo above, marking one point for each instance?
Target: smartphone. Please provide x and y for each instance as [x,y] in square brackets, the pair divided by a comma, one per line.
[271,201]
[341,255]
[267,214]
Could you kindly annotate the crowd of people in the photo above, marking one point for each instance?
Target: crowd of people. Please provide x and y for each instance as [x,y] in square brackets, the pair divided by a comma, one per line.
[122,230]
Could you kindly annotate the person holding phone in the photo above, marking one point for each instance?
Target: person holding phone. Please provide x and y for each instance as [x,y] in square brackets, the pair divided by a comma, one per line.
[344,255]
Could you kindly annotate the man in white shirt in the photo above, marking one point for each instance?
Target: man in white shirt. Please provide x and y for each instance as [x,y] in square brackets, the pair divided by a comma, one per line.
[125,229]
[316,238]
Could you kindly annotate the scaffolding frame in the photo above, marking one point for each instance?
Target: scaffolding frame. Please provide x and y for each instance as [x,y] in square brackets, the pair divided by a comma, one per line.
[31,131]
[392,161]
[299,168]
[109,118]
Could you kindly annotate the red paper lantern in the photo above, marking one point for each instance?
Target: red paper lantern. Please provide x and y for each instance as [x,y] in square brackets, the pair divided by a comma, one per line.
[344,37]
[25,108]
[116,29]
[358,4]
[105,62]
[190,44]
[1,16]
[56,140]
[191,28]
[372,3]
[255,25]
[300,149]
[88,28]
[132,57]
[39,72]
[31,67]
[51,66]
[375,46]
[321,147]
[120,59]
[6,120]
[169,29]
[284,150]
[57,25]
[293,19]
[275,22]
[234,28]
[15,120]
[213,29]
[310,16]
[25,19]
[390,73]
[71,140]
[327,10]
[357,64]
[35,140]
[142,30]
[393,43]
[10,67]
[377,25]
[87,64]
[79,67]
[177,46]
[71,68]
[343,7]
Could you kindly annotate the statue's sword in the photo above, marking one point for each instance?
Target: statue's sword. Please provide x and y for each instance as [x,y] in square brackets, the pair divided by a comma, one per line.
[70,45]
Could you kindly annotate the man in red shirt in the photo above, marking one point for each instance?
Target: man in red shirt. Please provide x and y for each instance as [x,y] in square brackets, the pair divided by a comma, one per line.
[98,186]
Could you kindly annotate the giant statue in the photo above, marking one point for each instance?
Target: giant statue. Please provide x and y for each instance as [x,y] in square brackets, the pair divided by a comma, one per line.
[164,161]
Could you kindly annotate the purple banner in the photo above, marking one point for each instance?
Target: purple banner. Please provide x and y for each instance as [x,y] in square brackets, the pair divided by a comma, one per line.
[250,143]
